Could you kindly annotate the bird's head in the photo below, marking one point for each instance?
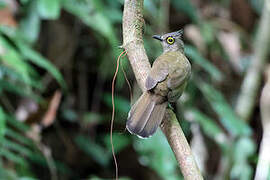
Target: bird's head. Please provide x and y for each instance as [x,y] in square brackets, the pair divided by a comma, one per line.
[171,41]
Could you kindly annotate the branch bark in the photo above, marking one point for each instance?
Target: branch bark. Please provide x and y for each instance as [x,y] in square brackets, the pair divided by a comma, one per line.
[178,142]
[133,23]
[263,167]
[252,81]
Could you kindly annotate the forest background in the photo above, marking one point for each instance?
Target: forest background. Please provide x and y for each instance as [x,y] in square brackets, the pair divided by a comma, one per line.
[57,59]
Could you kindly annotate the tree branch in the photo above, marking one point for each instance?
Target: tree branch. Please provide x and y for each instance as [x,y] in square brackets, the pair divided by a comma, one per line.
[252,81]
[263,166]
[133,23]
[133,43]
[178,142]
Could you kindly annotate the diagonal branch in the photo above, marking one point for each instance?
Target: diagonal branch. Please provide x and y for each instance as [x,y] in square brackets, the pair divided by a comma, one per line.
[178,142]
[133,43]
[133,23]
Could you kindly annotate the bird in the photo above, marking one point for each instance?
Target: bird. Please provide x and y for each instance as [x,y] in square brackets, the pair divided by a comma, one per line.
[164,84]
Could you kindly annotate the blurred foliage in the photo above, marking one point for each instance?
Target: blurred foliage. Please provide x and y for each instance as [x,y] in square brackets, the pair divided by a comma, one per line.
[72,45]
[154,152]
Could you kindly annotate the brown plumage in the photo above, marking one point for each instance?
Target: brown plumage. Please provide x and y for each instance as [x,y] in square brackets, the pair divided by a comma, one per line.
[165,83]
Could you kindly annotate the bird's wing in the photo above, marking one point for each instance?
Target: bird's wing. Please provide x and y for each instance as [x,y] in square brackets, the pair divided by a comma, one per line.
[179,76]
[158,73]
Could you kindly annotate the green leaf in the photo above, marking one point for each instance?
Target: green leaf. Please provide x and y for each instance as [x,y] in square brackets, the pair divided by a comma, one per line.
[27,178]
[243,149]
[18,137]
[156,153]
[258,6]
[2,124]
[8,31]
[151,8]
[4,85]
[208,32]
[12,59]
[69,114]
[17,124]
[7,174]
[197,58]
[121,104]
[186,7]
[38,159]
[41,160]
[228,118]
[93,17]
[15,147]
[117,15]
[39,60]
[49,9]
[210,128]
[15,77]
[93,177]
[12,156]
[92,117]
[119,141]
[85,10]
[24,1]
[30,24]
[3,4]
[98,153]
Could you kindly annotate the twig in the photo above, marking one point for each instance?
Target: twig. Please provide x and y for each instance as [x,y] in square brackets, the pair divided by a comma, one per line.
[46,151]
[250,86]
[263,167]
[35,135]
[132,42]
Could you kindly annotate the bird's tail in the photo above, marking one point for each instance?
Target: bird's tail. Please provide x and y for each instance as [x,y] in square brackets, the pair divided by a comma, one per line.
[146,115]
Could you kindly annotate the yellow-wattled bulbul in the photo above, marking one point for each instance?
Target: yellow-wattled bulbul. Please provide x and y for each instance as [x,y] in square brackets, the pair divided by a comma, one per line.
[165,83]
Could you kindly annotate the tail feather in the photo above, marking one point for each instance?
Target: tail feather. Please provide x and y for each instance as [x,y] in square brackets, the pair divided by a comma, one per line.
[145,115]
[155,119]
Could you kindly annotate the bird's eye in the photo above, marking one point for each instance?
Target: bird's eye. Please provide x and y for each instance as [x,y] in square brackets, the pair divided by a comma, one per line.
[170,40]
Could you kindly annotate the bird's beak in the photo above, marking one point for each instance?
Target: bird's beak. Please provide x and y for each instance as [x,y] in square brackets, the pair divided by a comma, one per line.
[157,37]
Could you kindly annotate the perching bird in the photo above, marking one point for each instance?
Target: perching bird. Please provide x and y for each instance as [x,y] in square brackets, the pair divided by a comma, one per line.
[165,83]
